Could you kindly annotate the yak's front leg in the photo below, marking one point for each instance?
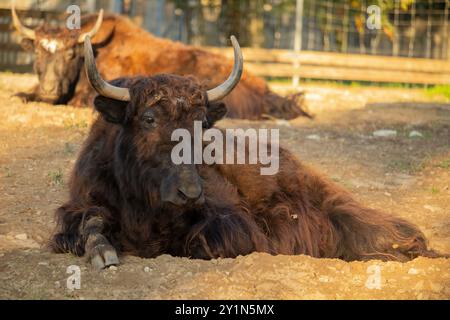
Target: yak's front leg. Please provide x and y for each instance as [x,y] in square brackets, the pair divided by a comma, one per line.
[98,249]
[83,232]
[26,97]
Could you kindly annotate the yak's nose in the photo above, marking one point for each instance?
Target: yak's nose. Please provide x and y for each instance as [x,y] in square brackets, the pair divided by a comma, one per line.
[48,91]
[182,186]
[192,193]
[48,87]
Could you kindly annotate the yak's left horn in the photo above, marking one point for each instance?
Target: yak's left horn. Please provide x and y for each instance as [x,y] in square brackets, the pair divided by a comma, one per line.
[24,31]
[94,30]
[222,90]
[96,80]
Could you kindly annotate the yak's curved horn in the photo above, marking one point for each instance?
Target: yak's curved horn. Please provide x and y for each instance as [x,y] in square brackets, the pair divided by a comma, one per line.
[94,30]
[24,31]
[225,88]
[95,79]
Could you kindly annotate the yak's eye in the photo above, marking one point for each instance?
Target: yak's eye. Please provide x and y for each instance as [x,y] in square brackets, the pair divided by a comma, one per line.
[148,120]
[205,123]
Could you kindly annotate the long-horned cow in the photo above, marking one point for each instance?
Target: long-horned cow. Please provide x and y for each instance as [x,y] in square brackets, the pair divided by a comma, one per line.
[127,196]
[121,49]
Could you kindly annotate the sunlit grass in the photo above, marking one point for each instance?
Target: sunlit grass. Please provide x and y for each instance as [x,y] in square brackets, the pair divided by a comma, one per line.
[445,164]
[69,148]
[434,190]
[441,90]
[56,177]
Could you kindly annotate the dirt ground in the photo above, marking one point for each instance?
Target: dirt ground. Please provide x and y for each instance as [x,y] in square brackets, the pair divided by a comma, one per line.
[406,175]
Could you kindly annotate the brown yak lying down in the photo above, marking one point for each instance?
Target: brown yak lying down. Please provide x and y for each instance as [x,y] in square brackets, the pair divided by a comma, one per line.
[127,195]
[124,49]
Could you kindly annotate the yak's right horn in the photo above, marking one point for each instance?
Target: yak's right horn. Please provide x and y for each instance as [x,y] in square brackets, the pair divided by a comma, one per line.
[24,31]
[96,80]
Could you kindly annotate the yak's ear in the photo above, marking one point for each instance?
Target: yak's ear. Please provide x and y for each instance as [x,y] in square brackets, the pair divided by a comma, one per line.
[113,111]
[215,112]
[27,44]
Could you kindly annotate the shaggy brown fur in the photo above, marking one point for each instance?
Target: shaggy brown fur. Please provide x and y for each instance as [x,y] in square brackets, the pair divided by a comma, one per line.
[124,49]
[115,194]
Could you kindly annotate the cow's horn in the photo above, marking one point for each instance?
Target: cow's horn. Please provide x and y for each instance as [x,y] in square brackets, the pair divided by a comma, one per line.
[24,31]
[225,88]
[94,30]
[100,85]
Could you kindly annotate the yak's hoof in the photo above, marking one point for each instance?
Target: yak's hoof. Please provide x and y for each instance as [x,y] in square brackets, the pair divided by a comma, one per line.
[103,256]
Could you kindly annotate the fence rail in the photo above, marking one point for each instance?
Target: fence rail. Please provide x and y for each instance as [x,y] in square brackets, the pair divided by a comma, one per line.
[339,66]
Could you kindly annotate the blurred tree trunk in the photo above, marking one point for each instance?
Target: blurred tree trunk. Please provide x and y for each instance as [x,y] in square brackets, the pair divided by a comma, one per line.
[256,32]
[231,23]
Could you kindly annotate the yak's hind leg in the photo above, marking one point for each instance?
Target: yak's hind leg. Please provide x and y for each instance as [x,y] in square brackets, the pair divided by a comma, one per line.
[82,231]
[360,233]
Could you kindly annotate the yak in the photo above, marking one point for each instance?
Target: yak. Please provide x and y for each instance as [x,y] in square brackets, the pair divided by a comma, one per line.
[127,196]
[121,49]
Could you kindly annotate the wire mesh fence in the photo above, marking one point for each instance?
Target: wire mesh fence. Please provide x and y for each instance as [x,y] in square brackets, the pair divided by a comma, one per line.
[410,28]
[416,29]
